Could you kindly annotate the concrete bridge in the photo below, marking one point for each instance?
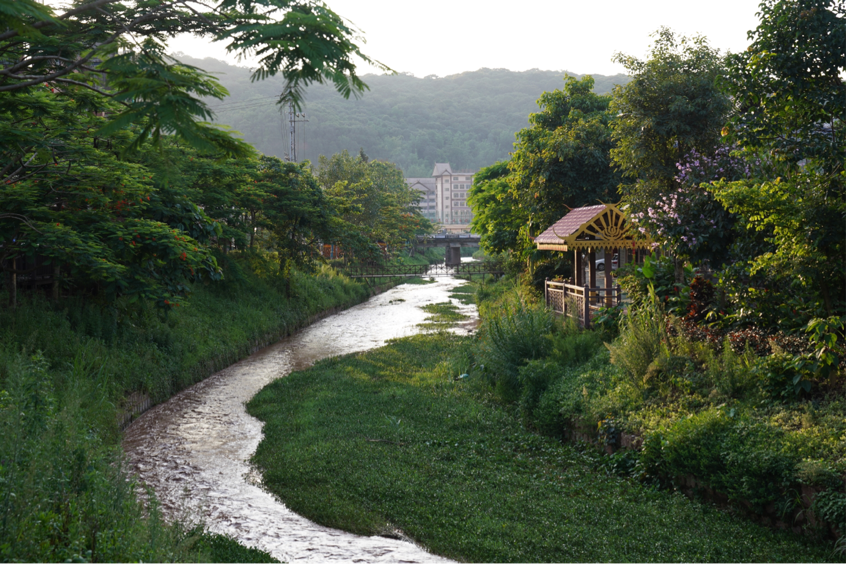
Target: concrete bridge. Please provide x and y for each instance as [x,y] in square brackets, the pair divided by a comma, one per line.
[453,243]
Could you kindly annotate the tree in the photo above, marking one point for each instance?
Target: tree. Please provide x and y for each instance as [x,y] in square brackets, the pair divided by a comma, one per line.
[671,107]
[374,203]
[81,93]
[298,214]
[562,160]
[790,107]
[690,223]
[497,217]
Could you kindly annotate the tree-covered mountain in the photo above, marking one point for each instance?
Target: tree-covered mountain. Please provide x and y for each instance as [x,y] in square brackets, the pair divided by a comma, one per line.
[467,119]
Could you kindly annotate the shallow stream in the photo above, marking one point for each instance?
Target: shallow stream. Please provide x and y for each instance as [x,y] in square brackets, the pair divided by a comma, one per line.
[194,449]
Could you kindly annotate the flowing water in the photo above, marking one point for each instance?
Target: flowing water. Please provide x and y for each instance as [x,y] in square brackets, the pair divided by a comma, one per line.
[194,449]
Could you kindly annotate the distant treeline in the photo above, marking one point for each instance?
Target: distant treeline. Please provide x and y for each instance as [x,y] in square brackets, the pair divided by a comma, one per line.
[468,119]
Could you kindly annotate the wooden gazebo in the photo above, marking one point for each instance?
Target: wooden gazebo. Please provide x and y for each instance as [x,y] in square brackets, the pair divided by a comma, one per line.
[584,231]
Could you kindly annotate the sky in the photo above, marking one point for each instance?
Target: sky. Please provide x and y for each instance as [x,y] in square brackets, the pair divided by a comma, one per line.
[444,37]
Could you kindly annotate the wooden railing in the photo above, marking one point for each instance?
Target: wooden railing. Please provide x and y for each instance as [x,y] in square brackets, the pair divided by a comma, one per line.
[579,301]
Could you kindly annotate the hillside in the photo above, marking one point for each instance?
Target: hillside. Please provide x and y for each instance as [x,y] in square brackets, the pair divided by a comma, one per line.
[468,119]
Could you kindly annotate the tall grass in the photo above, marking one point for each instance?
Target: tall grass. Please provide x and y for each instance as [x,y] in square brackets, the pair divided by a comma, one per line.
[518,334]
[642,339]
[65,372]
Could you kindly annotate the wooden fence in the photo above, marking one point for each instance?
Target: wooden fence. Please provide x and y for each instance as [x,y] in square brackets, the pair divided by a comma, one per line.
[579,302]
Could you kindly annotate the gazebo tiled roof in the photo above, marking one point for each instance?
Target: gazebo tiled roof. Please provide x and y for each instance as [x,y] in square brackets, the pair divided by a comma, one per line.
[602,226]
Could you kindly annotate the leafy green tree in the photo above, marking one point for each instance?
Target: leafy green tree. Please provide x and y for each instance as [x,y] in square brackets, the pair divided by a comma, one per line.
[80,95]
[671,107]
[297,212]
[374,203]
[93,211]
[790,100]
[498,217]
[562,160]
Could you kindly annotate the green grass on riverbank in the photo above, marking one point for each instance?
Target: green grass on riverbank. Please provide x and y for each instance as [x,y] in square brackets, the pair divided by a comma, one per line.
[389,439]
[65,371]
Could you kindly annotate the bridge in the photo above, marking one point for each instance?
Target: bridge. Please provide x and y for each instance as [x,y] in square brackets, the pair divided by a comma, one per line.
[421,270]
[453,243]
[448,240]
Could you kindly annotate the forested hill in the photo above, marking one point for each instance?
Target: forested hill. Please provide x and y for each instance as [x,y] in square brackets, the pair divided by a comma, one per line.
[468,119]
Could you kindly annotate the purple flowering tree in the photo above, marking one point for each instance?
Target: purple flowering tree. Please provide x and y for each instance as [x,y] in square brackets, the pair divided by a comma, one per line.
[689,221]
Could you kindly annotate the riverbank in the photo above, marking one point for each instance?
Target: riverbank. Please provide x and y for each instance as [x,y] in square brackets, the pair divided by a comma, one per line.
[393,442]
[71,374]
[193,450]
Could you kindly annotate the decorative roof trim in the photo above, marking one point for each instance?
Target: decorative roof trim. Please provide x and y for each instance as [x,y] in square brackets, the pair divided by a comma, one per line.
[600,227]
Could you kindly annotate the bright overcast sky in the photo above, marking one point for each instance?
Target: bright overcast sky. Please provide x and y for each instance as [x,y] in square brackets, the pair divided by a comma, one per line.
[444,37]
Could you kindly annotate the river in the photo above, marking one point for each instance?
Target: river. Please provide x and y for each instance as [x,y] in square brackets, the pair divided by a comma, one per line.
[194,449]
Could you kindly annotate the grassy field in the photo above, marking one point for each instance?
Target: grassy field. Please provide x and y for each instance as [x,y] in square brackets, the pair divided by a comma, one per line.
[391,440]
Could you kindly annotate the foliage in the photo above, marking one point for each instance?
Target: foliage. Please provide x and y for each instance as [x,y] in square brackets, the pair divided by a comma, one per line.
[111,173]
[520,333]
[376,207]
[497,218]
[689,222]
[389,441]
[606,320]
[91,210]
[791,104]
[671,107]
[642,340]
[562,159]
[734,455]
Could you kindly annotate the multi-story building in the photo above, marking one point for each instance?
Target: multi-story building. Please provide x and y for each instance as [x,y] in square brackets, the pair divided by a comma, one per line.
[445,197]
[428,198]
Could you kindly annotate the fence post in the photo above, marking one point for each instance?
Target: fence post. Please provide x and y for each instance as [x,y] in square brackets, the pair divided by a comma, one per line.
[587,307]
[619,294]
[546,291]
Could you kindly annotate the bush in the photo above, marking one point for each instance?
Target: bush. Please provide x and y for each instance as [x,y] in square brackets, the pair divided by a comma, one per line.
[739,457]
[520,333]
[641,341]
[535,379]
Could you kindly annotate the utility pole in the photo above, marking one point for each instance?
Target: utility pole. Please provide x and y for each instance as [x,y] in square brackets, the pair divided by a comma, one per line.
[293,119]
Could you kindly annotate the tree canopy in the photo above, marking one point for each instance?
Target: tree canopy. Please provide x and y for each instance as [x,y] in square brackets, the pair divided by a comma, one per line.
[376,207]
[560,161]
[110,169]
[672,106]
[790,107]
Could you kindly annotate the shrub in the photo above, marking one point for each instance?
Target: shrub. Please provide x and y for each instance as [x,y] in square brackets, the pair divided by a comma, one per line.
[830,506]
[641,341]
[671,375]
[739,457]
[606,321]
[518,334]
[535,379]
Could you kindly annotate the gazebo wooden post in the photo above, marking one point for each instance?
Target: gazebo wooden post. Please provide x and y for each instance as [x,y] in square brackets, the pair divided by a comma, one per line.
[592,271]
[580,268]
[609,258]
